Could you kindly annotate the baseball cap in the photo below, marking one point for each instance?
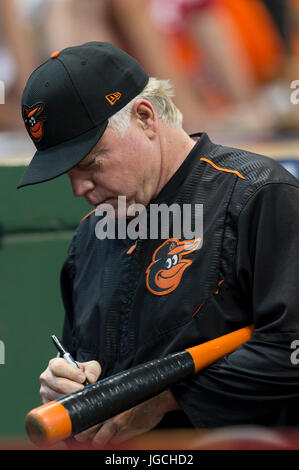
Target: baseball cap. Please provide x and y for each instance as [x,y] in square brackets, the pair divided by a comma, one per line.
[68,100]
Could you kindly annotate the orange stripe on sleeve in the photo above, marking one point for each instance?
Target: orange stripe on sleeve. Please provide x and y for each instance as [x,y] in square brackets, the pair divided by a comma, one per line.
[87,215]
[223,169]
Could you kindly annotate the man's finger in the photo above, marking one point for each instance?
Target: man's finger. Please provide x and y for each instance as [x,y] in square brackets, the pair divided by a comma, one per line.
[107,432]
[52,389]
[88,434]
[48,394]
[92,370]
[60,368]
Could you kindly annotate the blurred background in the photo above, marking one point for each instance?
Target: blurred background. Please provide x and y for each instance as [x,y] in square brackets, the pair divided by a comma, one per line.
[235,68]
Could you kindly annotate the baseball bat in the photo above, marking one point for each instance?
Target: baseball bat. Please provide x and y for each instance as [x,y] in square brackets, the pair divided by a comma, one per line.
[74,412]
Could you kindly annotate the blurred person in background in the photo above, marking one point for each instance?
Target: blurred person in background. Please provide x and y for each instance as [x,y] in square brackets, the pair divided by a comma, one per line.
[290,119]
[157,34]
[240,54]
[126,24]
[268,30]
[224,57]
[70,22]
[18,55]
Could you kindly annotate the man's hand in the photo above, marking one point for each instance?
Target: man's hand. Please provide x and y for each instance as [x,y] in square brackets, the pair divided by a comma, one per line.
[130,423]
[60,377]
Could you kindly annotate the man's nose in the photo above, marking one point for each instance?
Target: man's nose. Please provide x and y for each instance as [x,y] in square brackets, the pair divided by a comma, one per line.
[81,186]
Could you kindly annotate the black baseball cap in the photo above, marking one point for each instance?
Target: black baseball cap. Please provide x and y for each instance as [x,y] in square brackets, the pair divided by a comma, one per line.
[68,100]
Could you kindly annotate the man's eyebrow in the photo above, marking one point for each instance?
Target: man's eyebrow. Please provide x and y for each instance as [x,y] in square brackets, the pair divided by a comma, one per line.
[91,157]
[98,151]
[85,163]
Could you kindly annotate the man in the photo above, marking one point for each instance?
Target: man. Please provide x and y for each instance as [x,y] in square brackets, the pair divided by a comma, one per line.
[95,114]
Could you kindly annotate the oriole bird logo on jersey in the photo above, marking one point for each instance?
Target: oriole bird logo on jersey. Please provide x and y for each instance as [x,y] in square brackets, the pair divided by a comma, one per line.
[168,264]
[34,125]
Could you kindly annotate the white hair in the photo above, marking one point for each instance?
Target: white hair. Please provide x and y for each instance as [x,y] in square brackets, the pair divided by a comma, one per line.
[159,93]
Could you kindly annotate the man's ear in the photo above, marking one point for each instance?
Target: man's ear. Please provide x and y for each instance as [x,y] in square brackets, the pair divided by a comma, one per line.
[145,115]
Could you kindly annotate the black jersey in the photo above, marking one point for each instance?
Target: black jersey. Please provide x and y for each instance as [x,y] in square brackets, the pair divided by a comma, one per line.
[244,271]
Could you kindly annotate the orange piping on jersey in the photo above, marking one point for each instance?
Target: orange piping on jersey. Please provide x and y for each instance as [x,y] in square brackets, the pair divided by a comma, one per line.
[87,215]
[198,308]
[130,250]
[219,284]
[202,304]
[223,169]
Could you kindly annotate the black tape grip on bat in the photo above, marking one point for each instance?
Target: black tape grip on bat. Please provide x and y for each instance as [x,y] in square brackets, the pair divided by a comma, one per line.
[100,401]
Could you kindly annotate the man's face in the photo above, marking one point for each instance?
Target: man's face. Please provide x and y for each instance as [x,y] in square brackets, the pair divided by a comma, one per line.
[118,165]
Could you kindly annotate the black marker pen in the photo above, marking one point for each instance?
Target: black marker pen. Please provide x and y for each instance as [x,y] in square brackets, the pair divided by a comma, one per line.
[66,355]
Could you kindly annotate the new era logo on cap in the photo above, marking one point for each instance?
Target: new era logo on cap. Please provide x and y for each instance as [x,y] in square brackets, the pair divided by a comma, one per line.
[113,97]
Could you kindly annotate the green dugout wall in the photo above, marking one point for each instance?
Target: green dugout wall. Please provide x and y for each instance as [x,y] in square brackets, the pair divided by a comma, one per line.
[36,226]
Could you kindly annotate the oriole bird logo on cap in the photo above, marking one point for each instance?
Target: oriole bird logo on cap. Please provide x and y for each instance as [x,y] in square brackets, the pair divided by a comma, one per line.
[168,264]
[33,124]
